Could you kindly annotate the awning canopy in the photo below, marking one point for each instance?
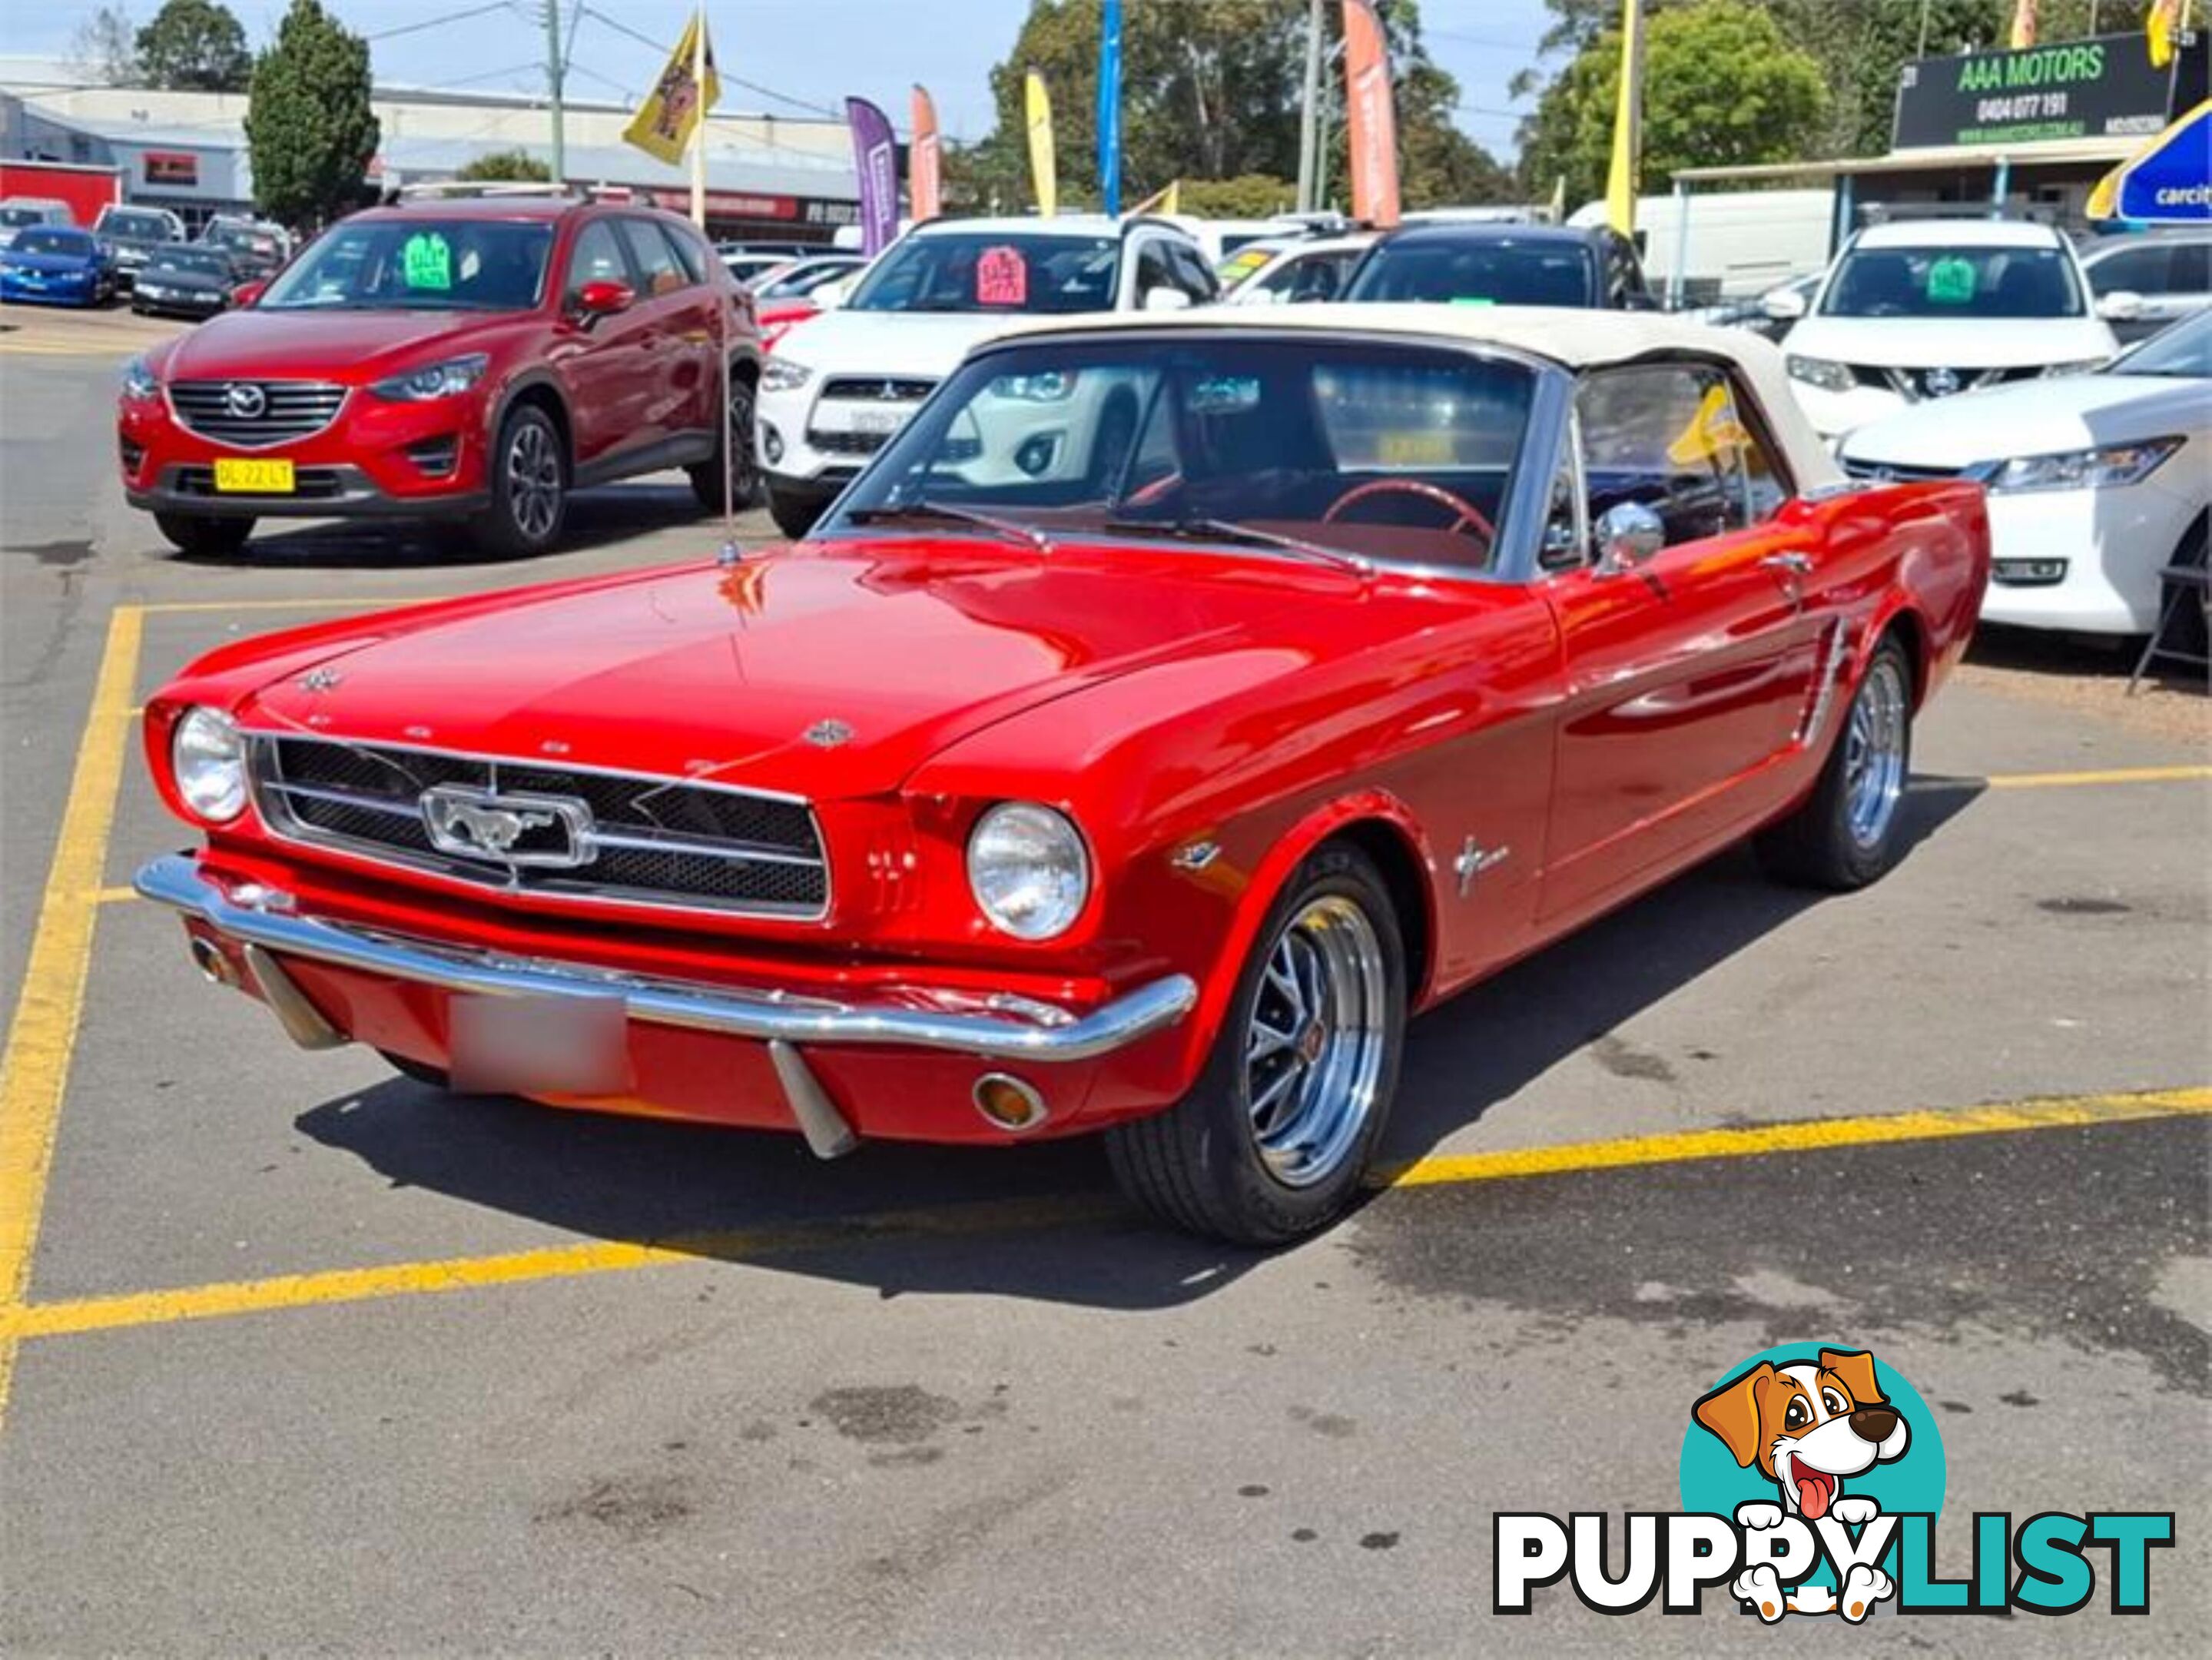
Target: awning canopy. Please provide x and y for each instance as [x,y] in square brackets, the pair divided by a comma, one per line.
[2168,182]
[2047,152]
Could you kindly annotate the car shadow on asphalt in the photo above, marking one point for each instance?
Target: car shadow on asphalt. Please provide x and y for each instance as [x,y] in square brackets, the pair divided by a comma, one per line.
[1041,1222]
[596,517]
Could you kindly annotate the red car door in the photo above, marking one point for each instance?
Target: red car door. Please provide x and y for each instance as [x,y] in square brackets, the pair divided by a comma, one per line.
[603,361]
[677,310]
[1688,671]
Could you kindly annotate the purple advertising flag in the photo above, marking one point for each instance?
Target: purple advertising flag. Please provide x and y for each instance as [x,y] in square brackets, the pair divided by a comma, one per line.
[875,158]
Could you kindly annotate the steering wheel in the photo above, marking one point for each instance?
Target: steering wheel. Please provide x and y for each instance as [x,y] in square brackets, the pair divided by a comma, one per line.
[1465,516]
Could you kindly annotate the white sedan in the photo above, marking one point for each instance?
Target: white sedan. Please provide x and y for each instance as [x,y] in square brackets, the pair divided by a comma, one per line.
[2095,481]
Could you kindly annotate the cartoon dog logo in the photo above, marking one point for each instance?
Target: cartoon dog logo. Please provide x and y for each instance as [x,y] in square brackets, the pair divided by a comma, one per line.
[1807,1427]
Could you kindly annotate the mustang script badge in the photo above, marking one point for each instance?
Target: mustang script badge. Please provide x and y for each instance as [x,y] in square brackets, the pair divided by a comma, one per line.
[547,830]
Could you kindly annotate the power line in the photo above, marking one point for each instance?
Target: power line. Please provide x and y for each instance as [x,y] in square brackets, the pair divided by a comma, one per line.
[440,22]
[753,87]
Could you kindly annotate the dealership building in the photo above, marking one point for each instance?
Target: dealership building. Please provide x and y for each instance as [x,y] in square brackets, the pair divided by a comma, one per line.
[766,175]
[2030,131]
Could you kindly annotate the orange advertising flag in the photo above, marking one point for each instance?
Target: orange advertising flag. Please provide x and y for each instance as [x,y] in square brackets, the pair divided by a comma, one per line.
[1372,120]
[925,184]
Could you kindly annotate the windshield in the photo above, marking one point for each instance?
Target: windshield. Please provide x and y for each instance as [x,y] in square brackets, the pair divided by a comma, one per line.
[22,216]
[193,261]
[798,284]
[1954,282]
[984,271]
[417,265]
[38,240]
[141,226]
[1389,453]
[2184,351]
[1498,270]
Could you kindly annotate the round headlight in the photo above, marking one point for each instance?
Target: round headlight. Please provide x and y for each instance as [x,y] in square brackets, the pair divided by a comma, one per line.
[1029,870]
[208,758]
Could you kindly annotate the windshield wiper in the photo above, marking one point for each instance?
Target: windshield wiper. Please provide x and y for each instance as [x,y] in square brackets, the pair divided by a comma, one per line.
[911,512]
[1250,536]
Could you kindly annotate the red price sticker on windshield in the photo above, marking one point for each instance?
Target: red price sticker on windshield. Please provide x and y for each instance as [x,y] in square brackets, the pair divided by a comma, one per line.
[1001,278]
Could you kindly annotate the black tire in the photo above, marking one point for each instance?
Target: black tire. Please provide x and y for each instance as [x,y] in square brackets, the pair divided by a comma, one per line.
[794,515]
[204,538]
[420,1072]
[1822,844]
[529,487]
[1200,1164]
[707,477]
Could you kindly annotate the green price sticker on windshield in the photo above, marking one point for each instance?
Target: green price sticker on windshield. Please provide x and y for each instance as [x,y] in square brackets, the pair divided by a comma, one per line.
[1951,283]
[426,261]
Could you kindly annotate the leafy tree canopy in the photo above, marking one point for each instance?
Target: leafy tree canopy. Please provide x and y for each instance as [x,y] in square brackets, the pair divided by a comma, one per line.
[309,128]
[196,44]
[516,164]
[1722,86]
[1212,91]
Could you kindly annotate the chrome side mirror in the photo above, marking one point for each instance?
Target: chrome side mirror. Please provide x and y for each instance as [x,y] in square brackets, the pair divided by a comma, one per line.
[1628,535]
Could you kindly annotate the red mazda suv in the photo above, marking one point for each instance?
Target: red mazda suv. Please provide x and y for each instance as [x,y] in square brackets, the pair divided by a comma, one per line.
[469,359]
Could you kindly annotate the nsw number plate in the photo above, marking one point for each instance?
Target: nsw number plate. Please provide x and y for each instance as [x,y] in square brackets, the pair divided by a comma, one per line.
[235,477]
[539,1045]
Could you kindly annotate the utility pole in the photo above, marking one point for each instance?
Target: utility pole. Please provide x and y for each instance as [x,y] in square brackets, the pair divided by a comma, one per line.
[553,68]
[1309,116]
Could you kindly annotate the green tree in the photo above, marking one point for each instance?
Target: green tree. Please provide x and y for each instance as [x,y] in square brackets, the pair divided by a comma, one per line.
[1249,196]
[1211,91]
[195,45]
[1722,86]
[309,129]
[515,164]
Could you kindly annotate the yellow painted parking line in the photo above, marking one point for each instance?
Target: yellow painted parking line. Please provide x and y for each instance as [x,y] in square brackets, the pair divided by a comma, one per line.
[64,349]
[42,1036]
[2037,780]
[90,1313]
[113,896]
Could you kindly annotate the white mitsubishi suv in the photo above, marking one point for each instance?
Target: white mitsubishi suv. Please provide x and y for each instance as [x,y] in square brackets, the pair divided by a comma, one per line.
[838,385]
[1924,308]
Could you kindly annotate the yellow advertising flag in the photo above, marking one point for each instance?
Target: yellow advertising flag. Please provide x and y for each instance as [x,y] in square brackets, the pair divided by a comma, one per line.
[1627,123]
[665,121]
[1041,167]
[1168,200]
[2165,20]
[2023,24]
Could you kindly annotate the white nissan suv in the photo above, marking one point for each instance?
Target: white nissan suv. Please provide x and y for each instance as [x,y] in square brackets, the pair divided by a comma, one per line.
[838,385]
[1924,308]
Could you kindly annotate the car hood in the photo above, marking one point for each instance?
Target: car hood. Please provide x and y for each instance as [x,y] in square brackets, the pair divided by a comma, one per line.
[46,262]
[891,341]
[822,673]
[2033,418]
[1912,343]
[350,346]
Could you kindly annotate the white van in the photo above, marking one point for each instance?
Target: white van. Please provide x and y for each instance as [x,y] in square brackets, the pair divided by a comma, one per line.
[1742,242]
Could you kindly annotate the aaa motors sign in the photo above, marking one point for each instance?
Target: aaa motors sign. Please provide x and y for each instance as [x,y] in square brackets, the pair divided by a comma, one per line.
[2104,87]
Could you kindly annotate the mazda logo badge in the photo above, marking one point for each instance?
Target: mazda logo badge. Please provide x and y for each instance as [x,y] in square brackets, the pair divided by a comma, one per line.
[246,400]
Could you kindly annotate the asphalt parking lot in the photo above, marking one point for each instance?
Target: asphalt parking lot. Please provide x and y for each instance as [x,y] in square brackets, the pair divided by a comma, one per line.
[296,1355]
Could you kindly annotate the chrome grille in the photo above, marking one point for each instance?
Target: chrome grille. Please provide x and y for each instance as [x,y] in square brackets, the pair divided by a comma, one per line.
[651,841]
[288,410]
[1894,473]
[878,388]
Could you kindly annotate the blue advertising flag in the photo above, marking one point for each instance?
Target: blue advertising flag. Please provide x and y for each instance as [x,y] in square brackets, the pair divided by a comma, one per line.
[1110,107]
[2171,183]
[875,158]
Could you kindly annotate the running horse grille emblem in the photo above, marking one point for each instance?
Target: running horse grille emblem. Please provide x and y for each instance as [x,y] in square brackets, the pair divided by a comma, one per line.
[548,831]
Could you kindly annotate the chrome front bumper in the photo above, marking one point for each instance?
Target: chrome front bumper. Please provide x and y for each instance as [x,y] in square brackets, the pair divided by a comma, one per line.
[267,922]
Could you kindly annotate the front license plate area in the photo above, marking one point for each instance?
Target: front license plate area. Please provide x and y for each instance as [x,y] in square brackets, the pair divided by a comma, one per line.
[862,418]
[234,476]
[539,1045]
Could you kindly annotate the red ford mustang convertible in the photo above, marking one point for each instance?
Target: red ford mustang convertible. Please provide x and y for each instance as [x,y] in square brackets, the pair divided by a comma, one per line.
[1172,708]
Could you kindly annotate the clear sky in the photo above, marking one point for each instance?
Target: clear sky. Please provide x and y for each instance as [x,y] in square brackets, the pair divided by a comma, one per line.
[815,51]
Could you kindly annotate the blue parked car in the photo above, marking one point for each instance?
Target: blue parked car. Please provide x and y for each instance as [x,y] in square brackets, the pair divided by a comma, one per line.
[57,265]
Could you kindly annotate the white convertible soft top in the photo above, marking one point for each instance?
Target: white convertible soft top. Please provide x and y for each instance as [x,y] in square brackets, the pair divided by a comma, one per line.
[1575,339]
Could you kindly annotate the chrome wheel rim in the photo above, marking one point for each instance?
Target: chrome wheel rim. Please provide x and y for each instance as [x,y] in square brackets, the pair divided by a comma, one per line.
[1315,1045]
[1873,753]
[533,481]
